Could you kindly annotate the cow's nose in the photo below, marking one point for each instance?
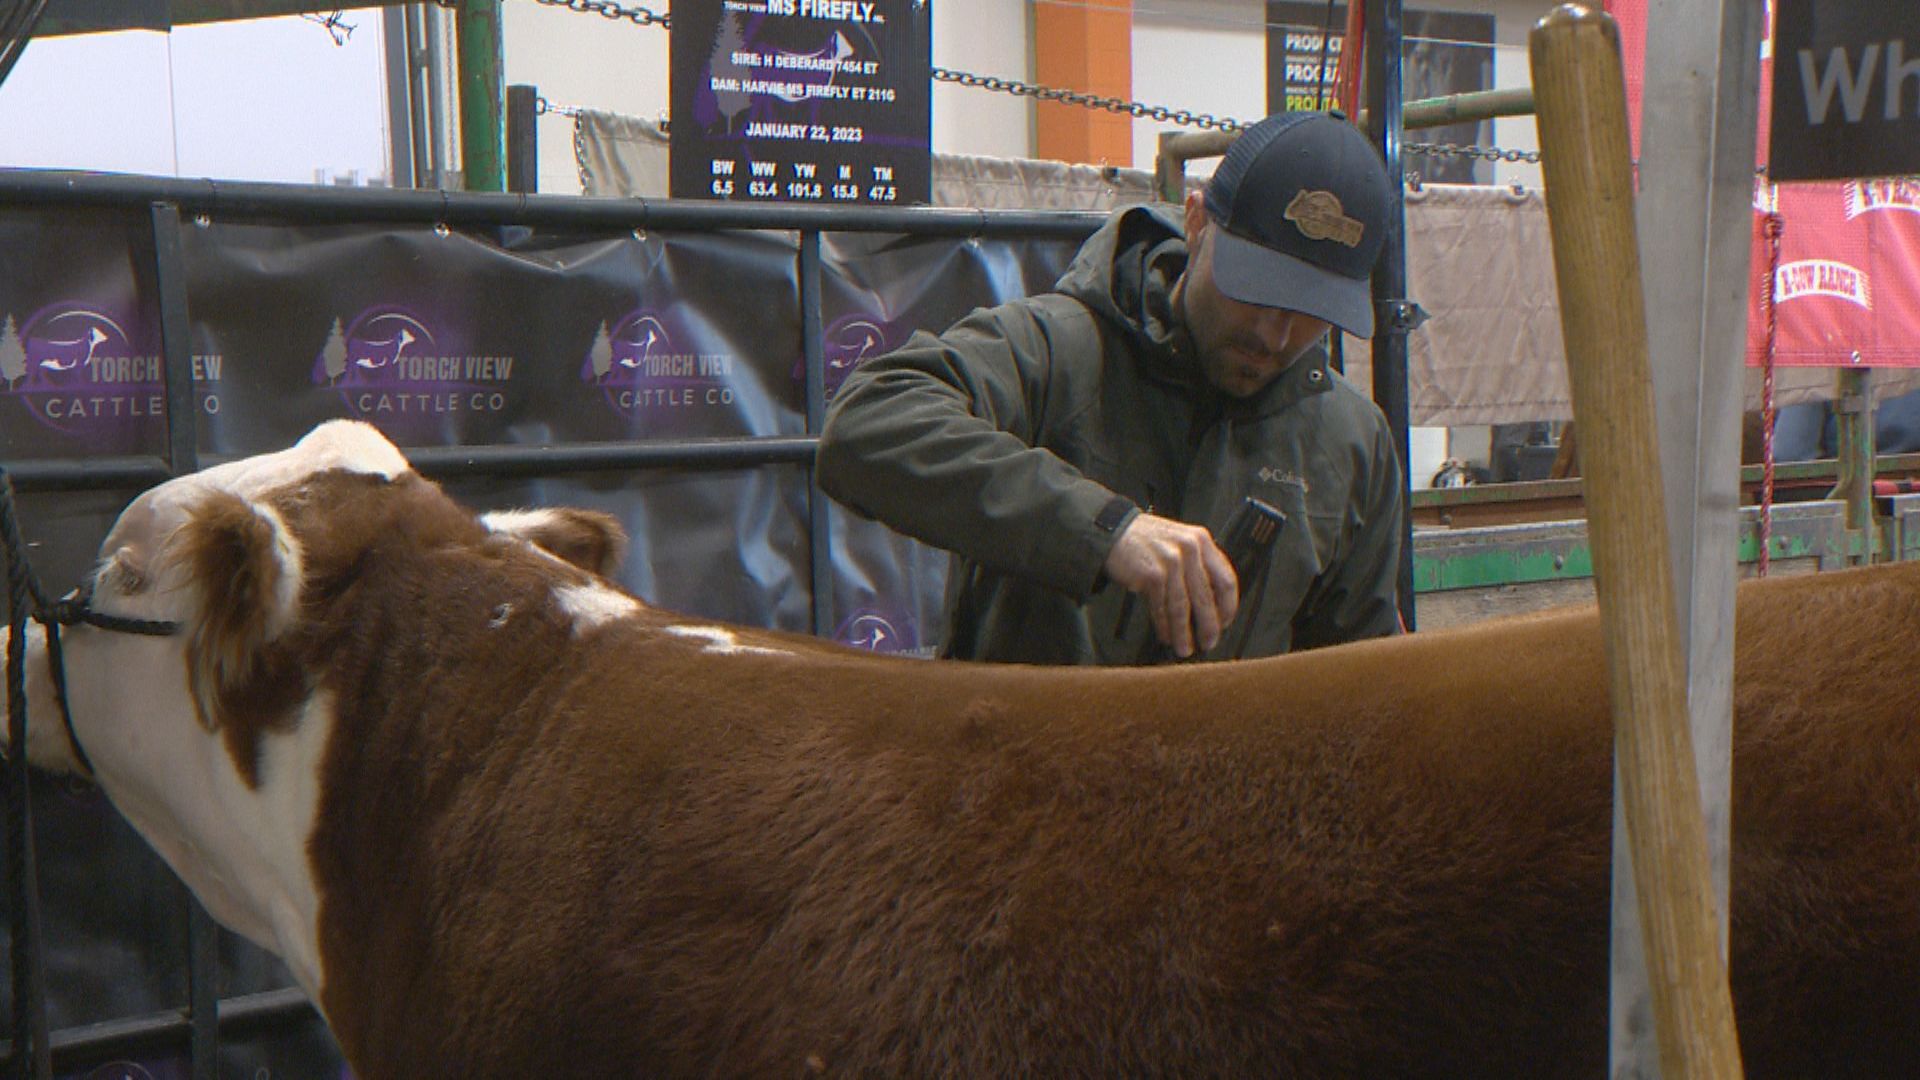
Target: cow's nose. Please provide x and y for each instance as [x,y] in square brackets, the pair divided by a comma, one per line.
[47,745]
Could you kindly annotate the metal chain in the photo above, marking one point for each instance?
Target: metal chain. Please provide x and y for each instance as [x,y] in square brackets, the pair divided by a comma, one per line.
[1183,117]
[640,16]
[580,154]
[607,9]
[1484,153]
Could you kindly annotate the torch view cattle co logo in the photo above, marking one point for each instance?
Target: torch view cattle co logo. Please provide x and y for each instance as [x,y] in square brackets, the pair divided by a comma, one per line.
[78,370]
[1822,277]
[640,367]
[388,362]
[850,341]
[876,632]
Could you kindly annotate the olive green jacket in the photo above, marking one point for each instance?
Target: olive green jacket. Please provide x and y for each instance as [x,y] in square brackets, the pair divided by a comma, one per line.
[1028,436]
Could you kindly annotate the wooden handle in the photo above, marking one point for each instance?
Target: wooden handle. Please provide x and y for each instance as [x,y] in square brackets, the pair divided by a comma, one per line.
[1584,150]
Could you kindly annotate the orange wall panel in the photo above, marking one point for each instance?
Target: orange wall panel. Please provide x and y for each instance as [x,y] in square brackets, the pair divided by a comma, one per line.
[1085,46]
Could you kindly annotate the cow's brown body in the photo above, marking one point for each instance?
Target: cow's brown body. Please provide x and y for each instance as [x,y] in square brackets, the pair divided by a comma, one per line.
[559,834]
[631,856]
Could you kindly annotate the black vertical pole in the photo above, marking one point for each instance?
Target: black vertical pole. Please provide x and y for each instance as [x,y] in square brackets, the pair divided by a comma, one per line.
[523,141]
[203,990]
[176,340]
[1384,99]
[183,456]
[820,533]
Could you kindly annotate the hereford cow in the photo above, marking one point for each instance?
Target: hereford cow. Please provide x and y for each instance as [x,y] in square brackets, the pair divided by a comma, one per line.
[503,820]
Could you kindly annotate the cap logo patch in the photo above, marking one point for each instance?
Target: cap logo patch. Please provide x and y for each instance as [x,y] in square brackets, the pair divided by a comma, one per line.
[1319,216]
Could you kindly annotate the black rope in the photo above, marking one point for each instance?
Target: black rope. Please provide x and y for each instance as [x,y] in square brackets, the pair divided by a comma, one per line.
[32,1055]
[68,610]
[26,598]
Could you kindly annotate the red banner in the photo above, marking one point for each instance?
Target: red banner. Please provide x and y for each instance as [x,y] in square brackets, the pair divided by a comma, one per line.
[1847,281]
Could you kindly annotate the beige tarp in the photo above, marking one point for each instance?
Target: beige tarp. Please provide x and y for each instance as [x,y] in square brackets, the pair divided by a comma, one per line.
[1478,262]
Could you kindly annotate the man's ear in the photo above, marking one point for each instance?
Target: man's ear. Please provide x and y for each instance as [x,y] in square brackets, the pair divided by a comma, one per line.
[240,568]
[588,539]
[1196,215]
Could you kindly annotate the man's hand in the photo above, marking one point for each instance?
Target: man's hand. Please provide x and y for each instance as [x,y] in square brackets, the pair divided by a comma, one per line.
[1188,584]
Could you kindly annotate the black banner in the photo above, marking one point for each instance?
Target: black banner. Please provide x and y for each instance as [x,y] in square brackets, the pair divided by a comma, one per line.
[449,337]
[80,366]
[812,101]
[1846,90]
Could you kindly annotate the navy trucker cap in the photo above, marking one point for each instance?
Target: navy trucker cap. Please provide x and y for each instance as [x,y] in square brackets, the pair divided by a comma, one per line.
[1300,207]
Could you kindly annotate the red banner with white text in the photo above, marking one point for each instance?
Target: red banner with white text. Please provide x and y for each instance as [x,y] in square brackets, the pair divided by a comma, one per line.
[1847,280]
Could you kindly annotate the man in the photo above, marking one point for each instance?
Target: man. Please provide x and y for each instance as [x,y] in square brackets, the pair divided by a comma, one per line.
[1079,450]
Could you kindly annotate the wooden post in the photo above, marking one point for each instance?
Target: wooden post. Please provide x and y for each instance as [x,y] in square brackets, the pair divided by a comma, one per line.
[1579,90]
[1853,437]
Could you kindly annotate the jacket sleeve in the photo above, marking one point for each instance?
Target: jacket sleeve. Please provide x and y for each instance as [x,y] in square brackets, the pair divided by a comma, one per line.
[937,440]
[1358,598]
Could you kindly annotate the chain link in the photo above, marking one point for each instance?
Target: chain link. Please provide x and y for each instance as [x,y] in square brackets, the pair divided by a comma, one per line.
[1483,153]
[1136,109]
[607,9]
[580,154]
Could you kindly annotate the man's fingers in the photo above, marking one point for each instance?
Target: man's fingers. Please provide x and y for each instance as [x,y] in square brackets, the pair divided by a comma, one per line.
[1157,611]
[1203,598]
[1179,612]
[1189,586]
[1226,587]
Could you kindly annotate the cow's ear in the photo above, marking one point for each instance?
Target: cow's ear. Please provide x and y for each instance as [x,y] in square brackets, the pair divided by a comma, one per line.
[240,569]
[588,539]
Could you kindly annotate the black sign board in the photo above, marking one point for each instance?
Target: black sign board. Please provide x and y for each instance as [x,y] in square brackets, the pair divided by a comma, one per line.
[816,101]
[1446,52]
[1846,90]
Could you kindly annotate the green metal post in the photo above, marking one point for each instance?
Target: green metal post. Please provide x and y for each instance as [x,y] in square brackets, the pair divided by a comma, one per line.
[1853,415]
[483,139]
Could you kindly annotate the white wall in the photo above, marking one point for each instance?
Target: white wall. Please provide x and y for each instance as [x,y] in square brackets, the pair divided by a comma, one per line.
[984,37]
[267,99]
[583,61]
[1204,56]
[1513,20]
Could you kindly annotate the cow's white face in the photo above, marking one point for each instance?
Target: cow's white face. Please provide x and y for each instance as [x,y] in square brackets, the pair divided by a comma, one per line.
[139,703]
[212,740]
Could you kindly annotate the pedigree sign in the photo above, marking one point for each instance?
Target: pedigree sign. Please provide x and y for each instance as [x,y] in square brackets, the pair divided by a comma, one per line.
[1846,89]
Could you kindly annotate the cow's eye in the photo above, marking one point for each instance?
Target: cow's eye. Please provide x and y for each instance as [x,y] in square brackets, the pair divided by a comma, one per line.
[122,574]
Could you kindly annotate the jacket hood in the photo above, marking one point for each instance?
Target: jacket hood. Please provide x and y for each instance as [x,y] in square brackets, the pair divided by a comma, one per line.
[1126,271]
